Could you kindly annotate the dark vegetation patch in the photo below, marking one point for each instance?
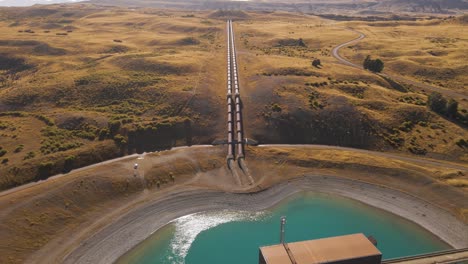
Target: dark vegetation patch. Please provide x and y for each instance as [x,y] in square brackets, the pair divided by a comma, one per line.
[19,97]
[117,49]
[12,64]
[38,12]
[412,99]
[69,28]
[338,123]
[189,29]
[291,71]
[156,135]
[394,84]
[375,105]
[413,114]
[51,25]
[146,65]
[355,90]
[40,168]
[441,73]
[447,108]
[438,53]
[39,48]
[187,41]
[231,14]
[289,42]
[16,43]
[154,42]
[46,50]
[367,18]
[106,91]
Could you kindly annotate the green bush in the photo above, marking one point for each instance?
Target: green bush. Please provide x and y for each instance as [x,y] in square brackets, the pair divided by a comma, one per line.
[418,150]
[45,119]
[120,140]
[45,170]
[376,65]
[19,148]
[68,163]
[462,143]
[2,152]
[406,126]
[437,102]
[103,133]
[30,155]
[114,127]
[452,108]
[84,134]
[316,63]
[276,108]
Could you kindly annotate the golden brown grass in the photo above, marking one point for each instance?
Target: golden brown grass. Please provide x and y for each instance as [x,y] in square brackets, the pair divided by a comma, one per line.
[146,66]
[427,51]
[104,65]
[264,63]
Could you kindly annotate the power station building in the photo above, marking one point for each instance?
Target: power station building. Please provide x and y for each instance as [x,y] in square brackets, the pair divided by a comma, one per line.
[349,249]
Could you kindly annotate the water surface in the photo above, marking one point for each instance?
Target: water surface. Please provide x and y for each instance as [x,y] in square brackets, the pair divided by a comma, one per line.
[234,237]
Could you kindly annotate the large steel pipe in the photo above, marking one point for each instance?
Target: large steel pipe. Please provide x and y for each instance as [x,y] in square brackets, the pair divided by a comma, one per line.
[231,150]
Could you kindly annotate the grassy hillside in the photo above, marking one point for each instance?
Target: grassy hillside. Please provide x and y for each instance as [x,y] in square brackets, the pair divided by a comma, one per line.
[290,101]
[429,51]
[80,78]
[82,83]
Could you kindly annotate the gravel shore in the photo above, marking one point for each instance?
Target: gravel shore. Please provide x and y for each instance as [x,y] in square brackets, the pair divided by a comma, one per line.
[107,245]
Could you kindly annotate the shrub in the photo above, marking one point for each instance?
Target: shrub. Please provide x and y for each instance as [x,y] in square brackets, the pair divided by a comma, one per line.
[45,170]
[2,152]
[418,150]
[406,126]
[437,103]
[120,140]
[68,164]
[276,108]
[462,143]
[103,133]
[5,161]
[30,155]
[316,63]
[13,64]
[84,134]
[114,127]
[45,119]
[19,148]
[376,65]
[452,108]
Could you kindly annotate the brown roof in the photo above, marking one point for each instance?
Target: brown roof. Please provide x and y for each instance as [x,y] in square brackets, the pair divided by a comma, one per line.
[322,250]
[275,254]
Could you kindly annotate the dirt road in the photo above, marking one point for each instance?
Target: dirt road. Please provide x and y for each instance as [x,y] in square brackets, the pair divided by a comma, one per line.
[336,54]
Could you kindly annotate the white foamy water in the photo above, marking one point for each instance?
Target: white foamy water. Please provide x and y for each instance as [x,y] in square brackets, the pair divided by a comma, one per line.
[188,227]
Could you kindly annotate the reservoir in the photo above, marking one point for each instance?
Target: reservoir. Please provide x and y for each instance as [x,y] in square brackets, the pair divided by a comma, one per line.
[235,236]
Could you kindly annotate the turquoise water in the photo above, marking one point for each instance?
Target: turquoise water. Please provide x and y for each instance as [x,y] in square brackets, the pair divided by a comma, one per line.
[234,237]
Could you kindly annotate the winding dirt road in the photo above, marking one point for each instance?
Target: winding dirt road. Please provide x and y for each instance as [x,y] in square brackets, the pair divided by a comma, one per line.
[336,54]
